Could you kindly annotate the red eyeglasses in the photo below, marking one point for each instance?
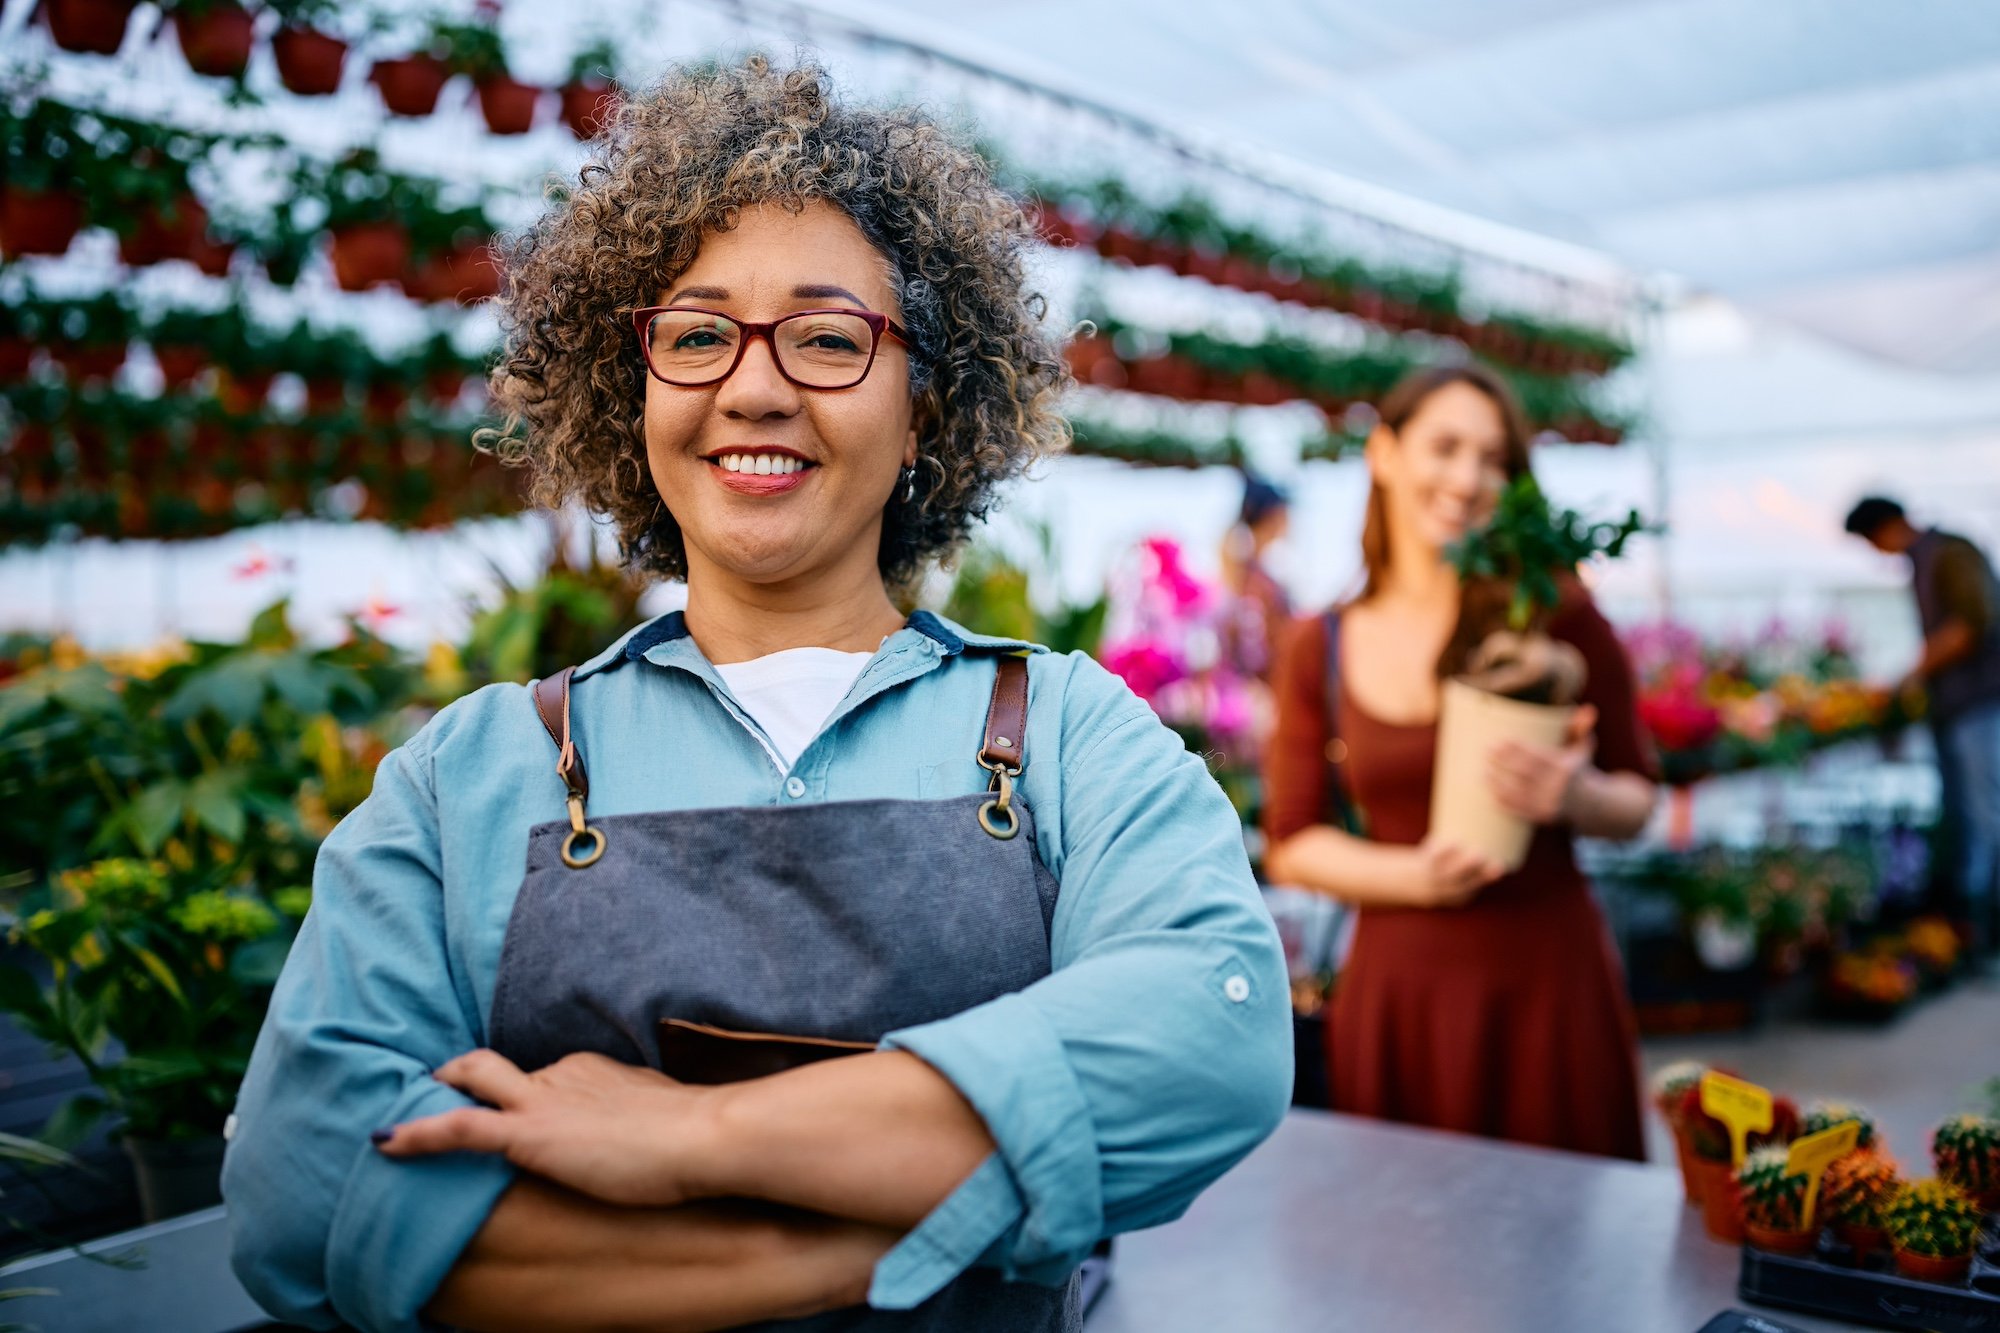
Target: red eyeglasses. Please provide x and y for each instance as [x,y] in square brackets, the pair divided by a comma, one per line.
[814,349]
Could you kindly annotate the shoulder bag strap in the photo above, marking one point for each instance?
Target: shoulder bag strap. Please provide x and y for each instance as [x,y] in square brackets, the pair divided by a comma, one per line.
[1341,811]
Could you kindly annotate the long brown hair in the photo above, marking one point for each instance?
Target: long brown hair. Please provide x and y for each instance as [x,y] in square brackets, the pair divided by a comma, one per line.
[1482,605]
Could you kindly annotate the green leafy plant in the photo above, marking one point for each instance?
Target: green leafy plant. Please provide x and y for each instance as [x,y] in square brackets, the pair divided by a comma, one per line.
[1528,544]
[163,813]
[1966,1152]
[469,48]
[1773,1196]
[565,617]
[993,594]
[596,61]
[1932,1218]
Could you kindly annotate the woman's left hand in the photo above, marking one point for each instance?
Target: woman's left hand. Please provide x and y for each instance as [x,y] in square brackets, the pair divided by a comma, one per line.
[1538,782]
[621,1134]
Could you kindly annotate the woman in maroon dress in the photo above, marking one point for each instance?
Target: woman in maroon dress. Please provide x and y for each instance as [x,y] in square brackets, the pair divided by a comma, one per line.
[1475,1000]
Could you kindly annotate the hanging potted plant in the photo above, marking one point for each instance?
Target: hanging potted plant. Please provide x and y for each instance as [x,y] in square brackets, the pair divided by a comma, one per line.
[1519,683]
[93,27]
[1854,1191]
[367,220]
[183,342]
[590,93]
[452,256]
[89,338]
[1966,1152]
[410,84]
[1932,1226]
[41,208]
[309,58]
[475,49]
[215,35]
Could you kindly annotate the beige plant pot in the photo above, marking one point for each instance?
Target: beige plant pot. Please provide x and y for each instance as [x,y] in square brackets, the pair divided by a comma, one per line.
[1463,809]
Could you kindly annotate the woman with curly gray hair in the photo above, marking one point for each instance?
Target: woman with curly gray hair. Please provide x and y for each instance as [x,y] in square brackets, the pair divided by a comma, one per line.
[793,959]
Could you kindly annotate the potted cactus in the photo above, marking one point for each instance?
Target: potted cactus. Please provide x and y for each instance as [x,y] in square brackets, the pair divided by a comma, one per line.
[1519,683]
[1932,1226]
[1715,1182]
[1670,1087]
[1825,1114]
[1853,1194]
[1774,1199]
[1966,1152]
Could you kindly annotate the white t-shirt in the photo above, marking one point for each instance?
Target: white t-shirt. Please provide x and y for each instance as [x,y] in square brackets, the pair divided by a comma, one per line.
[792,693]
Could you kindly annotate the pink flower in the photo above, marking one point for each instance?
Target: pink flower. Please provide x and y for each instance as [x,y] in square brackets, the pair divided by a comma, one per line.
[1145,665]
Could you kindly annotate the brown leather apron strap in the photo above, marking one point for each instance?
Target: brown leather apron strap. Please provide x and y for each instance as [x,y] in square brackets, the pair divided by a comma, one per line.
[1003,751]
[1007,717]
[552,706]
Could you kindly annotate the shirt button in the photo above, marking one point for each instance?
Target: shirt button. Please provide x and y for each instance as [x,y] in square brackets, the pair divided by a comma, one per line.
[795,788]
[1237,989]
[229,1128]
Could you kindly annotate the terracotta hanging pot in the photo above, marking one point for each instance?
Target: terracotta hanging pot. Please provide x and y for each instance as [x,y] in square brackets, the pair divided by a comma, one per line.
[212,256]
[16,356]
[309,61]
[385,401]
[1263,390]
[464,273]
[242,392]
[38,223]
[86,363]
[217,41]
[443,387]
[507,104]
[410,84]
[367,253]
[587,107]
[181,366]
[325,395]
[96,27]
[160,234]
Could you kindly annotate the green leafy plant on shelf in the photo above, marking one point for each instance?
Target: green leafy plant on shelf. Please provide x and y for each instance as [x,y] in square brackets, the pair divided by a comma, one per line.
[161,812]
[475,49]
[566,616]
[1966,1151]
[1933,1219]
[1773,1195]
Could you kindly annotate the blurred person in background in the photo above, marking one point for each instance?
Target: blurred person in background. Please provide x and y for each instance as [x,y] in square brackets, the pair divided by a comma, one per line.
[1958,675]
[529,1071]
[1471,1000]
[1259,605]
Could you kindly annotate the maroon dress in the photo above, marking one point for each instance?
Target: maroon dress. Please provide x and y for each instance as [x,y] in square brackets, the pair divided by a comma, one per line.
[1506,1017]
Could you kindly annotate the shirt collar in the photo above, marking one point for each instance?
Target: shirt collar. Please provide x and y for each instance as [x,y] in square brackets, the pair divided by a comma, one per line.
[670,633]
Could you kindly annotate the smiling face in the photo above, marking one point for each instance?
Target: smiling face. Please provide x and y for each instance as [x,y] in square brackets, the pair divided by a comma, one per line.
[1442,473]
[771,482]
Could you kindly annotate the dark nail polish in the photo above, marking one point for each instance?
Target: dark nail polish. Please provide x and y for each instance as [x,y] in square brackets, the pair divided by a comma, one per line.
[381,1136]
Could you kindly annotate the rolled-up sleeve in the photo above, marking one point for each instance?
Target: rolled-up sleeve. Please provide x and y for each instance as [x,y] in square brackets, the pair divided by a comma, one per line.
[324,1228]
[1155,1055]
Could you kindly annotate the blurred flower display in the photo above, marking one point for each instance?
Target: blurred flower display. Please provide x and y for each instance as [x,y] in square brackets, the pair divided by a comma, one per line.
[1771,700]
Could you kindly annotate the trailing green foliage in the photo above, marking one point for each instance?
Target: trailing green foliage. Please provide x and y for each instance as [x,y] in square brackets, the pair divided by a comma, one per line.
[1529,544]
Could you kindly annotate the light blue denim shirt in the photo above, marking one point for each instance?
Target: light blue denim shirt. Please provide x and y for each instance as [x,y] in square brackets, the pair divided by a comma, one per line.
[1155,1055]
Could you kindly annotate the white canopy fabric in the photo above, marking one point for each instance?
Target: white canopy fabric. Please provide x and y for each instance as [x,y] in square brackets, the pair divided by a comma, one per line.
[1832,162]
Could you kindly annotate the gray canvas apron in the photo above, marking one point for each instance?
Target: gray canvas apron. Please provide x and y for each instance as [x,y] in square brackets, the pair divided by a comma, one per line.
[833,923]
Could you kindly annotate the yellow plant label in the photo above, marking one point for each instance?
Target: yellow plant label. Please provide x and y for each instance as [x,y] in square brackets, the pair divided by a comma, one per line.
[1744,1108]
[1813,1154]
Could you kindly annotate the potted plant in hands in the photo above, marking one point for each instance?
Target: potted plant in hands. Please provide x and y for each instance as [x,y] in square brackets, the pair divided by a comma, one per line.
[1854,1192]
[1519,683]
[590,94]
[309,58]
[475,49]
[1932,1226]
[1774,1201]
[1966,1152]
[1670,1088]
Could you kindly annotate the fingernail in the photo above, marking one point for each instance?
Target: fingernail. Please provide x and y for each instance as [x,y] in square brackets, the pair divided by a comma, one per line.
[381,1136]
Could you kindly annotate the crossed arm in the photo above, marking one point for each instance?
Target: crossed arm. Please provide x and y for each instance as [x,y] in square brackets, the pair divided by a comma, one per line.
[612,1227]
